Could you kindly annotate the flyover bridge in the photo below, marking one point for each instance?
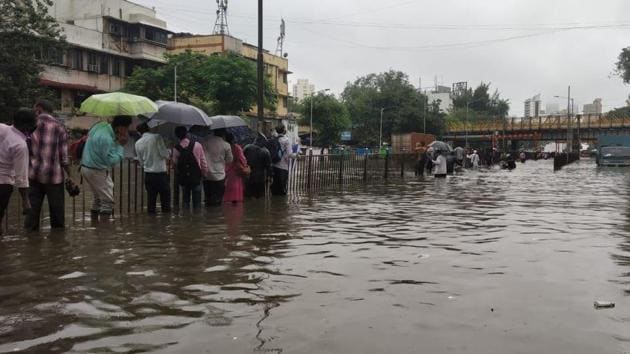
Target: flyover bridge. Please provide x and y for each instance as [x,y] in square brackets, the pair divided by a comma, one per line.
[584,128]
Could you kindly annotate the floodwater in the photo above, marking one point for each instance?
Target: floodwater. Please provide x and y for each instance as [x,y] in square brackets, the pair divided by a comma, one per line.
[484,262]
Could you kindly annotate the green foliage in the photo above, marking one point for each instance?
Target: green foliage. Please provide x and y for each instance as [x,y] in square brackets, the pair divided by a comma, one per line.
[623,65]
[482,103]
[219,84]
[405,109]
[29,36]
[330,118]
[623,112]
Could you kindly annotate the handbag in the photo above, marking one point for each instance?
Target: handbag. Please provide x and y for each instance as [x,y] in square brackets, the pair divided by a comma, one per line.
[243,170]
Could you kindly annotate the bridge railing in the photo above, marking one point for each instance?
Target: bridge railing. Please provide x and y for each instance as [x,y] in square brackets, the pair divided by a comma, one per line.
[538,124]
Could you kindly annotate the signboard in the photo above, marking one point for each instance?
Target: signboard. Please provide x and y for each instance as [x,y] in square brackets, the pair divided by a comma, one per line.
[346,135]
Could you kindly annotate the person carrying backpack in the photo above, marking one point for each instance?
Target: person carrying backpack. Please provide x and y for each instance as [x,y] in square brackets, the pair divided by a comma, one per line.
[190,167]
[281,154]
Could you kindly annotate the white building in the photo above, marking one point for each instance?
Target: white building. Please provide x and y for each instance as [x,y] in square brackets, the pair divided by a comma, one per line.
[593,108]
[533,107]
[444,99]
[107,39]
[552,108]
[303,89]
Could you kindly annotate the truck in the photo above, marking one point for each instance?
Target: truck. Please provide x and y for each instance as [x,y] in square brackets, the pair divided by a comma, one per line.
[613,150]
[406,143]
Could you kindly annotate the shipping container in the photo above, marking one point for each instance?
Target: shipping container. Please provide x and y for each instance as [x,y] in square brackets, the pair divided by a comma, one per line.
[406,143]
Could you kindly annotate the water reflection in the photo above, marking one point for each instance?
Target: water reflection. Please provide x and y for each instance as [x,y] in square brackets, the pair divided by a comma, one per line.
[479,262]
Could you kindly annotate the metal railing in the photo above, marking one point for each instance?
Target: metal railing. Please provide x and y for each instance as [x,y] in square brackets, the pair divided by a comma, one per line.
[308,175]
[598,121]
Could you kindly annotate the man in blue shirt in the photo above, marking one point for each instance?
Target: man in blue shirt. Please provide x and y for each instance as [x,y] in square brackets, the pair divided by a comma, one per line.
[104,150]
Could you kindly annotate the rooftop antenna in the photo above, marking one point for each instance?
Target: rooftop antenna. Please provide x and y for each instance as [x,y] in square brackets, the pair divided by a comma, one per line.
[280,45]
[221,25]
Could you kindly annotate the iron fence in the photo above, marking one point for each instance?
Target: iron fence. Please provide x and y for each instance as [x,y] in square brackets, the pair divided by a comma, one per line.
[308,175]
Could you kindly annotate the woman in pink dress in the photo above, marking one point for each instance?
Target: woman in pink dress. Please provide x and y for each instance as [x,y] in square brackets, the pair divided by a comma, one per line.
[235,173]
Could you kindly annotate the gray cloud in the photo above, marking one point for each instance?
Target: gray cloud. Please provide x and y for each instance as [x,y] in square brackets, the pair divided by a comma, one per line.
[523,47]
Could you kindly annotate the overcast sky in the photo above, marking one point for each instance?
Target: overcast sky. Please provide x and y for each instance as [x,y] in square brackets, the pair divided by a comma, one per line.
[522,47]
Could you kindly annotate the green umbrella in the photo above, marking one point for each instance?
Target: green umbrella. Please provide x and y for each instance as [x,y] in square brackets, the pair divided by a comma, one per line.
[117,104]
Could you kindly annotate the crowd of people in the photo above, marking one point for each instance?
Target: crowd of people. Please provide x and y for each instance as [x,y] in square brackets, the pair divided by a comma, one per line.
[442,160]
[35,158]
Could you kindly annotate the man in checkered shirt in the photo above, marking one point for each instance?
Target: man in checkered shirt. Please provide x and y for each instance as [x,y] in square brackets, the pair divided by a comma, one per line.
[49,161]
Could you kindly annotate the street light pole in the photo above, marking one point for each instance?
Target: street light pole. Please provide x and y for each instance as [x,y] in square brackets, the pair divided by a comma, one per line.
[569,140]
[380,132]
[175,84]
[310,141]
[466,127]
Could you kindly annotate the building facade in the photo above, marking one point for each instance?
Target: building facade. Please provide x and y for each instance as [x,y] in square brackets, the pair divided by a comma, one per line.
[303,89]
[593,108]
[107,39]
[276,67]
[533,107]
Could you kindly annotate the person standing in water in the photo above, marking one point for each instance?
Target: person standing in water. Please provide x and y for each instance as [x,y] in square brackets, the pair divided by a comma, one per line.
[439,165]
[474,160]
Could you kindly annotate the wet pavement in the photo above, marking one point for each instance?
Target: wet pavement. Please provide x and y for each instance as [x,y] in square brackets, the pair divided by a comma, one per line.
[484,262]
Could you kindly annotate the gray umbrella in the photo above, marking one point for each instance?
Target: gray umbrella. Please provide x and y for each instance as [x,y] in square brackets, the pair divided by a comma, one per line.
[178,113]
[221,122]
[440,146]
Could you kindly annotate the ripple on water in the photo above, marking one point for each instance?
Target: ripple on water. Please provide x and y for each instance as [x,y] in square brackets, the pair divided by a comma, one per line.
[341,271]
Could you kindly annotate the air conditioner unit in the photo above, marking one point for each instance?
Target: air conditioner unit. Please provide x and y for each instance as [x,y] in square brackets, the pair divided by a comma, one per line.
[93,68]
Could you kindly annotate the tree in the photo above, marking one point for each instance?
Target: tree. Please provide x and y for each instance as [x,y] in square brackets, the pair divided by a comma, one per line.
[404,108]
[219,84]
[481,105]
[330,118]
[623,65]
[29,38]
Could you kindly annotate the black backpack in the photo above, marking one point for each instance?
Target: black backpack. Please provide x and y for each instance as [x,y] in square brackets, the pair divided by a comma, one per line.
[275,149]
[188,171]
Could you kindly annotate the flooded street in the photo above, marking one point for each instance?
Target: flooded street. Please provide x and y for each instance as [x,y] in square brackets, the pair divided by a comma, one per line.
[483,262]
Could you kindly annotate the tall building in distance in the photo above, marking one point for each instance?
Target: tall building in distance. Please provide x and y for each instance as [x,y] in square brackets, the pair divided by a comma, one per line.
[552,109]
[303,89]
[532,107]
[107,39]
[593,108]
[442,95]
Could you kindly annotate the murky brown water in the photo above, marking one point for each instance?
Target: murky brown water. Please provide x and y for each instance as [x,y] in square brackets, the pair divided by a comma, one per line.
[488,262]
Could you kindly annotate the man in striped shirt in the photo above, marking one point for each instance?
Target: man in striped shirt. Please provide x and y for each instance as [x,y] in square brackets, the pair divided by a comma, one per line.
[49,160]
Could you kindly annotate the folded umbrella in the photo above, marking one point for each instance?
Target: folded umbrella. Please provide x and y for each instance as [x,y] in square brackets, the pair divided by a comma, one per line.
[117,104]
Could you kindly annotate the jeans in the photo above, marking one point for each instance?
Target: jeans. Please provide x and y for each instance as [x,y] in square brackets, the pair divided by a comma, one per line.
[214,191]
[195,193]
[157,184]
[5,194]
[56,204]
[280,181]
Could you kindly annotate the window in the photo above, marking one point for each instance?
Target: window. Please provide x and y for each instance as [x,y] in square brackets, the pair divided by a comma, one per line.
[134,32]
[104,64]
[114,28]
[155,35]
[128,68]
[284,102]
[284,77]
[93,61]
[76,59]
[115,66]
[54,56]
